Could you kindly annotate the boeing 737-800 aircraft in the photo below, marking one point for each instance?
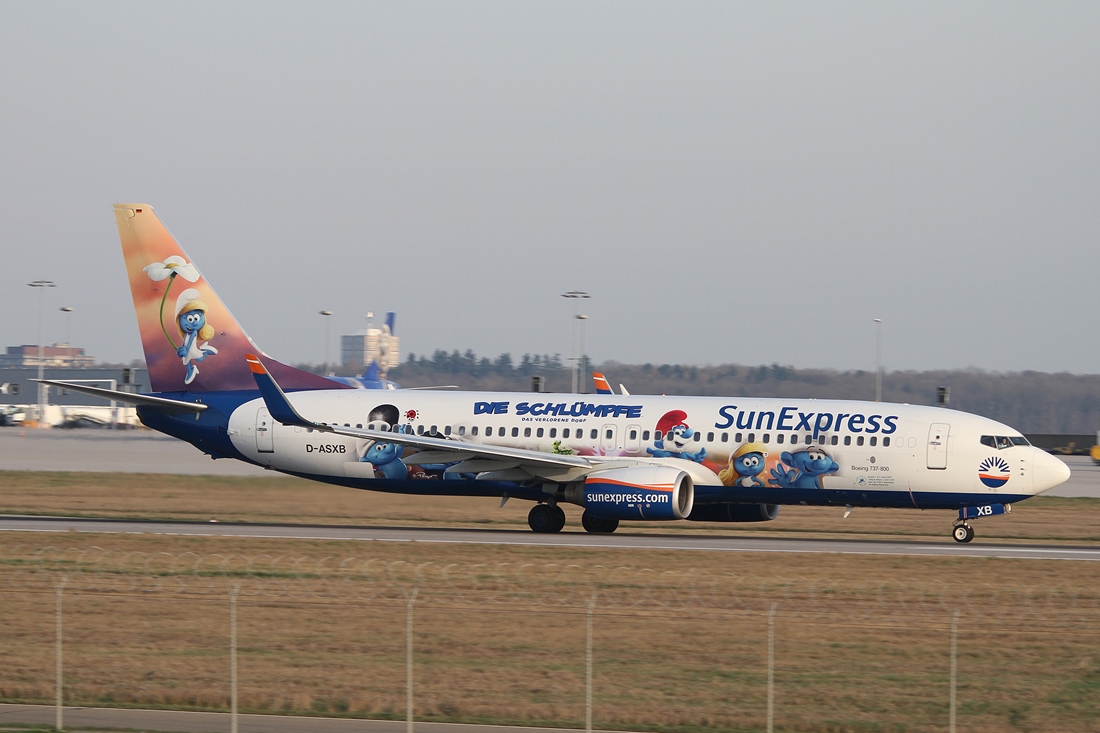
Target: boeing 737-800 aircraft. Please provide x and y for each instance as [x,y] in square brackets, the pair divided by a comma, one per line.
[621,457]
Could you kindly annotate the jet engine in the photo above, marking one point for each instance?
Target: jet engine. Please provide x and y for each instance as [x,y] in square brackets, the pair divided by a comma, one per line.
[639,492]
[727,512]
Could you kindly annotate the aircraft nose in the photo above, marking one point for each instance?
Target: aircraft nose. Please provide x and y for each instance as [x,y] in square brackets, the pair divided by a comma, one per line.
[1050,471]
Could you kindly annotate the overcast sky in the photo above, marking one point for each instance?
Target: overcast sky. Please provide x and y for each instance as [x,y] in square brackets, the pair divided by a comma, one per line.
[732,182]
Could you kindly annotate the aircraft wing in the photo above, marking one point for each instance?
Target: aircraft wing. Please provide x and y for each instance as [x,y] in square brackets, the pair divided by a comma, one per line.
[440,450]
[141,400]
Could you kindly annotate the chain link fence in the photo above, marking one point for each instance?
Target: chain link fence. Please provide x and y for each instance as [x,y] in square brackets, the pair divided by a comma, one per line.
[545,643]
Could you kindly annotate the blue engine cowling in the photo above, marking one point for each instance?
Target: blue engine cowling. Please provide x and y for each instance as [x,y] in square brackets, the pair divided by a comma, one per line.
[639,492]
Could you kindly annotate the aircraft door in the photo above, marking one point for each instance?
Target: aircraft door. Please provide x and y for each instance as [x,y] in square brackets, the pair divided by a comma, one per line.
[633,439]
[608,439]
[938,435]
[265,431]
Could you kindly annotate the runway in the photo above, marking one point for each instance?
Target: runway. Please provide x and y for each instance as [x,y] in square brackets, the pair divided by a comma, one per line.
[624,541]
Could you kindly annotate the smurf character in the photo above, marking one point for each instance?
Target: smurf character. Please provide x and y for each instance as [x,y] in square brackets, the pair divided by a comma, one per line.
[807,466]
[746,466]
[194,330]
[675,435]
[386,459]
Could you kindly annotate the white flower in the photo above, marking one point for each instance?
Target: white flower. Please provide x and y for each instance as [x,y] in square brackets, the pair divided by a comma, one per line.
[163,270]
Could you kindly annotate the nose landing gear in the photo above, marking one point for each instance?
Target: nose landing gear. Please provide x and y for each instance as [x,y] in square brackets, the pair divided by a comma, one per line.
[962,531]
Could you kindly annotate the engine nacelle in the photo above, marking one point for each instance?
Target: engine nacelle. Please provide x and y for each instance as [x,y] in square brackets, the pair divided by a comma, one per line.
[734,512]
[639,492]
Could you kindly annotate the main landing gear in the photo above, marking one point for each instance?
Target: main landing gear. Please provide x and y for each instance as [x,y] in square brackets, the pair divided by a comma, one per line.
[546,519]
[598,525]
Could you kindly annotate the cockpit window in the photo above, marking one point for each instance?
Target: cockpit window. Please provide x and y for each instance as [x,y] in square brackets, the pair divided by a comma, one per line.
[1000,442]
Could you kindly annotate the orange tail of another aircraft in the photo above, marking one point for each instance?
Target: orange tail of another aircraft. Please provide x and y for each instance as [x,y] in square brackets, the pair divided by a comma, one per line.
[191,341]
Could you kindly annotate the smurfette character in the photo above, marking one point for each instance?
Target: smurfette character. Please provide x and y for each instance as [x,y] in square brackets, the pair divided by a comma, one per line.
[745,467]
[194,330]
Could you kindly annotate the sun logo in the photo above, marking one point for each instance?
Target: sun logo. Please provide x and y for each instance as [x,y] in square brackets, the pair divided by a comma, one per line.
[994,472]
[411,414]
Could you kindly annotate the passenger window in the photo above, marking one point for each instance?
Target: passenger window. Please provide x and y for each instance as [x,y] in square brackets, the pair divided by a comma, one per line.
[565,433]
[447,430]
[859,440]
[834,440]
[488,432]
[779,438]
[656,435]
[874,440]
[725,437]
[698,436]
[515,432]
[538,433]
[847,440]
[809,439]
[473,430]
[359,425]
[885,442]
[633,434]
[434,430]
[767,437]
[737,438]
[645,435]
[595,435]
[752,437]
[419,429]
[553,432]
[462,429]
[527,432]
[610,433]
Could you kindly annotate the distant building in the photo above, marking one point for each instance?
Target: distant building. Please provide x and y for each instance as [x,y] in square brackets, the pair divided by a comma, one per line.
[372,344]
[19,394]
[59,356]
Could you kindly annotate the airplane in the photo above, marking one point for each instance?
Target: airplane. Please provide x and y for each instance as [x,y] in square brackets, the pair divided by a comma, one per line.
[619,456]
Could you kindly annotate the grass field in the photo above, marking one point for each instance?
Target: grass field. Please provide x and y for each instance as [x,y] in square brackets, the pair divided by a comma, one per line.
[680,639]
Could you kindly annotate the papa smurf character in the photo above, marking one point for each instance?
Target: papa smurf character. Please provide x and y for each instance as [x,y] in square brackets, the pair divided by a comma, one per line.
[746,466]
[675,435]
[194,330]
[807,466]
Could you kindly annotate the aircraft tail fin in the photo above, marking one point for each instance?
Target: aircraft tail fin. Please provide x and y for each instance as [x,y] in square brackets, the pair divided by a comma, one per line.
[602,387]
[191,341]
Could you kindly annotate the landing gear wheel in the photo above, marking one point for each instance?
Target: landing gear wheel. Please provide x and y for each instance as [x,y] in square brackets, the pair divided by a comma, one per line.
[546,519]
[963,533]
[598,525]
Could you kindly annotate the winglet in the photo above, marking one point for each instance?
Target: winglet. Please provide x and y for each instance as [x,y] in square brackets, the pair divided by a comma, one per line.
[602,387]
[274,397]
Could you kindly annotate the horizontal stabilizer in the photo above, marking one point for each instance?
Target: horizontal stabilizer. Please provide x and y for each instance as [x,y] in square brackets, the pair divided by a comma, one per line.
[141,400]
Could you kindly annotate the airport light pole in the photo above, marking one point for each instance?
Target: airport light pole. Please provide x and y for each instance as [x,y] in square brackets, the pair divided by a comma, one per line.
[68,310]
[582,367]
[40,414]
[326,314]
[575,295]
[878,360]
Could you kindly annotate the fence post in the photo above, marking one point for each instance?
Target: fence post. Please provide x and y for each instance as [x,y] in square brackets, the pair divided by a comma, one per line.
[234,590]
[771,669]
[954,666]
[591,604]
[59,585]
[409,661]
